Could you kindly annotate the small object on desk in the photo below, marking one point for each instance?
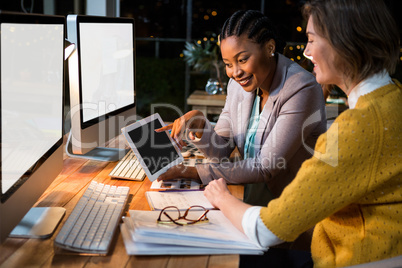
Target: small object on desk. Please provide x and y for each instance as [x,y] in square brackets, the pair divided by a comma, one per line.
[128,168]
[176,185]
[91,226]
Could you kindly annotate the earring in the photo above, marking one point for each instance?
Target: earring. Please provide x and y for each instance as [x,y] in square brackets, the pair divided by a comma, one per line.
[272,54]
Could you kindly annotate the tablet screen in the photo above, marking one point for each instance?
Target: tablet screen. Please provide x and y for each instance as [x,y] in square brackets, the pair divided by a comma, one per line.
[155,148]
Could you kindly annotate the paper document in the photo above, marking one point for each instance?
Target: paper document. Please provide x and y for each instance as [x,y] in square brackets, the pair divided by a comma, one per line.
[181,199]
[176,184]
[138,248]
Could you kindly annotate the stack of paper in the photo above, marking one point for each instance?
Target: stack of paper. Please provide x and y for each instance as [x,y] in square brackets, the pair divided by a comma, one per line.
[144,236]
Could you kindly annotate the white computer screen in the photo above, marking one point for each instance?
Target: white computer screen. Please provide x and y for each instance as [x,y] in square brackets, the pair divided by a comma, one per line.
[31,96]
[106,66]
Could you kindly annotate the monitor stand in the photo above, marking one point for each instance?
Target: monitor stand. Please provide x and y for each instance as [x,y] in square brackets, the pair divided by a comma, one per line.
[98,153]
[39,222]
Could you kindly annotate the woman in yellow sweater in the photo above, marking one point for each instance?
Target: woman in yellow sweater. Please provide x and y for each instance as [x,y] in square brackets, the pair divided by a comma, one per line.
[351,189]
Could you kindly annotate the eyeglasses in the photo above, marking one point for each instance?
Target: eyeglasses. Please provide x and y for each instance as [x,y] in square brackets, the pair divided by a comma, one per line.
[194,214]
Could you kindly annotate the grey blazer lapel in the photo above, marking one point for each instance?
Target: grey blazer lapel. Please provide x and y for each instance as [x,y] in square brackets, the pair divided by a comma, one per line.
[262,125]
[243,117]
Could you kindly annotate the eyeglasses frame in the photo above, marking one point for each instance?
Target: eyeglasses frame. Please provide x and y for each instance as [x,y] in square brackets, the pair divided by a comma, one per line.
[200,219]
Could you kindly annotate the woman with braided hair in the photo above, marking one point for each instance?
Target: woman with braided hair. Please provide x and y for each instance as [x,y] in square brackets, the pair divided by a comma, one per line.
[269,99]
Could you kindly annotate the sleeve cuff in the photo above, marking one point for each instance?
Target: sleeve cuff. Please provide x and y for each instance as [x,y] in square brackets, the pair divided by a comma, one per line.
[255,229]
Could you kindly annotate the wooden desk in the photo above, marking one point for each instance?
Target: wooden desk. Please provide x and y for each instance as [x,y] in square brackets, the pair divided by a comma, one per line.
[207,104]
[65,191]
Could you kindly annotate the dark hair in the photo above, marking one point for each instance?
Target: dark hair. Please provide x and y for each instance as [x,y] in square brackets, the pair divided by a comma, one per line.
[362,32]
[256,25]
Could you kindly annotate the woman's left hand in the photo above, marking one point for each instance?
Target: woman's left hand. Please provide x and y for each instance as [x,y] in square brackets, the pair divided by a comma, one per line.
[220,197]
[216,191]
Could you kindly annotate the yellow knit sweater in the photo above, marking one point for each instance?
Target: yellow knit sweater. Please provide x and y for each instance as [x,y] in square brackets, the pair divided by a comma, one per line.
[351,189]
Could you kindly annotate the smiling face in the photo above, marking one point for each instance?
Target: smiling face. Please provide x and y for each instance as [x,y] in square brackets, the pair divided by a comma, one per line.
[249,63]
[322,55]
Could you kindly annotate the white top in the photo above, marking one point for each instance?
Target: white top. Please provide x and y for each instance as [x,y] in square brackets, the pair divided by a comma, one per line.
[252,224]
[256,230]
[366,86]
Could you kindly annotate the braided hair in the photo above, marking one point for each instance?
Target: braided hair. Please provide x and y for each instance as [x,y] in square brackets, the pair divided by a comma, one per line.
[256,25]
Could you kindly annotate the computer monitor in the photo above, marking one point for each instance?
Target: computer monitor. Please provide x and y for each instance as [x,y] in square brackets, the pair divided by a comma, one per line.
[102,84]
[31,114]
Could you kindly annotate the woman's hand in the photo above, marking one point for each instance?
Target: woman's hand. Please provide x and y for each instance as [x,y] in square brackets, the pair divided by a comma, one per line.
[216,192]
[180,171]
[220,197]
[194,121]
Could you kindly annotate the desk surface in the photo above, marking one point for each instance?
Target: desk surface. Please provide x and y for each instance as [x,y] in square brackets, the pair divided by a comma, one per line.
[65,192]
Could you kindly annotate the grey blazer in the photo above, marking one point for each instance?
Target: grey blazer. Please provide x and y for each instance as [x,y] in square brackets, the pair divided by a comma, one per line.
[291,121]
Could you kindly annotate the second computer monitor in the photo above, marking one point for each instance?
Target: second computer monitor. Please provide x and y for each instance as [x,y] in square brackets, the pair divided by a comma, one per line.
[102,83]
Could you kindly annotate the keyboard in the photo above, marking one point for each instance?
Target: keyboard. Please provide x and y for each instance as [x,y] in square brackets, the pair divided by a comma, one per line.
[91,225]
[128,168]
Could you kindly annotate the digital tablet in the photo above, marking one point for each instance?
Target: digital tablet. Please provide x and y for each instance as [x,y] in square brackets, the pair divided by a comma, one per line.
[156,151]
